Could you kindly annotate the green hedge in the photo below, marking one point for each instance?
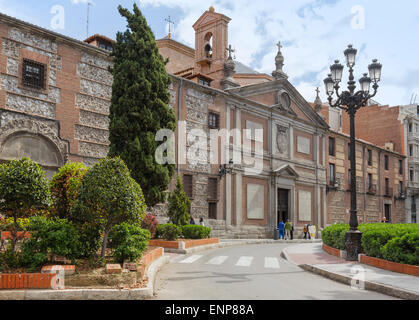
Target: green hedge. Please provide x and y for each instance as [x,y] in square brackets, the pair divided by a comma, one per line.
[192,231]
[169,231]
[392,242]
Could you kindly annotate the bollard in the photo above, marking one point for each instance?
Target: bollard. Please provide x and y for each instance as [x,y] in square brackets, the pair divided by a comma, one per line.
[276,234]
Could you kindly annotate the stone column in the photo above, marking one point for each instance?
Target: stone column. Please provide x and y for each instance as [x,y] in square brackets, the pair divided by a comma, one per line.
[239,194]
[228,176]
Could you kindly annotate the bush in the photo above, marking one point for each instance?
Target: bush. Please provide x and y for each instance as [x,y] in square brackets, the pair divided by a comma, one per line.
[334,236]
[404,249]
[90,235]
[393,242]
[64,187]
[179,205]
[109,196]
[23,187]
[150,223]
[193,231]
[169,231]
[129,241]
[49,236]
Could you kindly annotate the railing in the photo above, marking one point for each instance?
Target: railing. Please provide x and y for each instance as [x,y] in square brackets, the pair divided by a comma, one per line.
[388,192]
[372,189]
[401,194]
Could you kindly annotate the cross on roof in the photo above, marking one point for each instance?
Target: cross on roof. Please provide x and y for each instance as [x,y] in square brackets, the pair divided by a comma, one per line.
[170,23]
[230,51]
[318,91]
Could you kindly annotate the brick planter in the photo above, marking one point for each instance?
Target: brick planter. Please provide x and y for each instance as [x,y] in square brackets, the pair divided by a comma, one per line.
[27,281]
[183,244]
[389,265]
[7,235]
[333,251]
[148,259]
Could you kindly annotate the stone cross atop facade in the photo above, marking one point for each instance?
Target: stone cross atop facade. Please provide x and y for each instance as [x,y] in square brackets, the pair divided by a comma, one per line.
[318,102]
[279,62]
[230,51]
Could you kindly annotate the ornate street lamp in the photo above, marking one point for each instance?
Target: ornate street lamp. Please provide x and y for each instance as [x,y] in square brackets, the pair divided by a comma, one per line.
[351,102]
[226,169]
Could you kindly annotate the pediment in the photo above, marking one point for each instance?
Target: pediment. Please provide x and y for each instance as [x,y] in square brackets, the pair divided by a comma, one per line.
[286,171]
[208,18]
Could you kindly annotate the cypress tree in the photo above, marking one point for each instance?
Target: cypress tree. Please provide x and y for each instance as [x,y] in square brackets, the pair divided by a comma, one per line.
[139,107]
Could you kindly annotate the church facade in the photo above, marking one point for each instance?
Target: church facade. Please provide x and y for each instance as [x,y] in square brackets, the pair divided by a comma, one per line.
[54,104]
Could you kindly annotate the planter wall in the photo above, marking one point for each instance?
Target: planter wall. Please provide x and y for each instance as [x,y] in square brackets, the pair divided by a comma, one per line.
[389,265]
[27,281]
[183,244]
[7,235]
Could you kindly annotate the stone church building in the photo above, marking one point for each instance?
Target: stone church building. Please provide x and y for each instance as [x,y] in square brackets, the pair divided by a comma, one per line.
[54,103]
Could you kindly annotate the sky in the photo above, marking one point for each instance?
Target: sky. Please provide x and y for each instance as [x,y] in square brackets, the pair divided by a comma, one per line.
[313,33]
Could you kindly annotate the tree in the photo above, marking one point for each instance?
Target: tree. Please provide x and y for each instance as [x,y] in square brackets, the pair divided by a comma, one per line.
[64,187]
[179,205]
[23,187]
[108,196]
[139,107]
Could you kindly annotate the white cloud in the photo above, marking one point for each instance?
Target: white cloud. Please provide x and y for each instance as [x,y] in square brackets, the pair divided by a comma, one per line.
[314,33]
[81,1]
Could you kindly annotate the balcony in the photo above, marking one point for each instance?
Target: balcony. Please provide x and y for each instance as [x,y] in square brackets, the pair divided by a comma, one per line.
[388,192]
[333,185]
[401,194]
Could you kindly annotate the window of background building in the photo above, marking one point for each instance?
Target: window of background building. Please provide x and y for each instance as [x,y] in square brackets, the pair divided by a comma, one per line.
[410,127]
[369,181]
[204,82]
[212,189]
[386,162]
[400,187]
[411,150]
[370,157]
[212,210]
[187,185]
[387,186]
[332,174]
[33,74]
[332,147]
[400,166]
[213,121]
[412,176]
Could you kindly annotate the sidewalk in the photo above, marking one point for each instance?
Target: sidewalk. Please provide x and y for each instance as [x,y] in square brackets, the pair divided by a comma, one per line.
[311,257]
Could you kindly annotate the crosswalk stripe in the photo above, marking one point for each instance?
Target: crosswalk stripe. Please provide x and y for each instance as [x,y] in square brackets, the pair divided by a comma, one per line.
[191,259]
[217,260]
[244,261]
[271,263]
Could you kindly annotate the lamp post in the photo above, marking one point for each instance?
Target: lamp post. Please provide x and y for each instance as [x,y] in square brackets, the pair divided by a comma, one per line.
[225,169]
[351,102]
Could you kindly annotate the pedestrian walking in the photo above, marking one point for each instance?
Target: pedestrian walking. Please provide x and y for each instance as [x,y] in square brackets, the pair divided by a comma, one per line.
[201,222]
[307,231]
[288,230]
[281,227]
[192,221]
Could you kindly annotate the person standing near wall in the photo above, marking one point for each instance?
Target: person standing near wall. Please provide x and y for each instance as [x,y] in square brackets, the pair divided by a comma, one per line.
[281,227]
[288,230]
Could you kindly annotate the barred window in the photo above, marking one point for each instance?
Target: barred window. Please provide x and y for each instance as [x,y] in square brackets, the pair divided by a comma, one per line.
[213,121]
[212,210]
[187,185]
[212,188]
[33,74]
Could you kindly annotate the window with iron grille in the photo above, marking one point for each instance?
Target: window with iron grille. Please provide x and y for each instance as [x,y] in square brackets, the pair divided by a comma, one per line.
[213,121]
[332,174]
[400,166]
[332,147]
[213,189]
[212,210]
[33,74]
[370,157]
[187,185]
[386,162]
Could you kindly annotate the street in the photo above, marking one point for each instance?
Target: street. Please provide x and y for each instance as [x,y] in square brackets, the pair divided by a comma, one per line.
[252,272]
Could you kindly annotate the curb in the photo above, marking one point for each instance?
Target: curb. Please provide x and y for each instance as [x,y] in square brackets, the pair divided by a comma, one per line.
[91,294]
[368,285]
[231,243]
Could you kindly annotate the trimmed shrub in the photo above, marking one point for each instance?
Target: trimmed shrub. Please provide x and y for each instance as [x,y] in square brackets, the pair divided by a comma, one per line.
[392,242]
[179,205]
[150,223]
[64,187]
[23,187]
[49,236]
[404,249]
[334,236]
[109,196]
[193,231]
[129,242]
[169,231]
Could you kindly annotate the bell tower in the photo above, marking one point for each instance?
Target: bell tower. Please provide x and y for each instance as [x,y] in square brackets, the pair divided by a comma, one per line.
[211,43]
